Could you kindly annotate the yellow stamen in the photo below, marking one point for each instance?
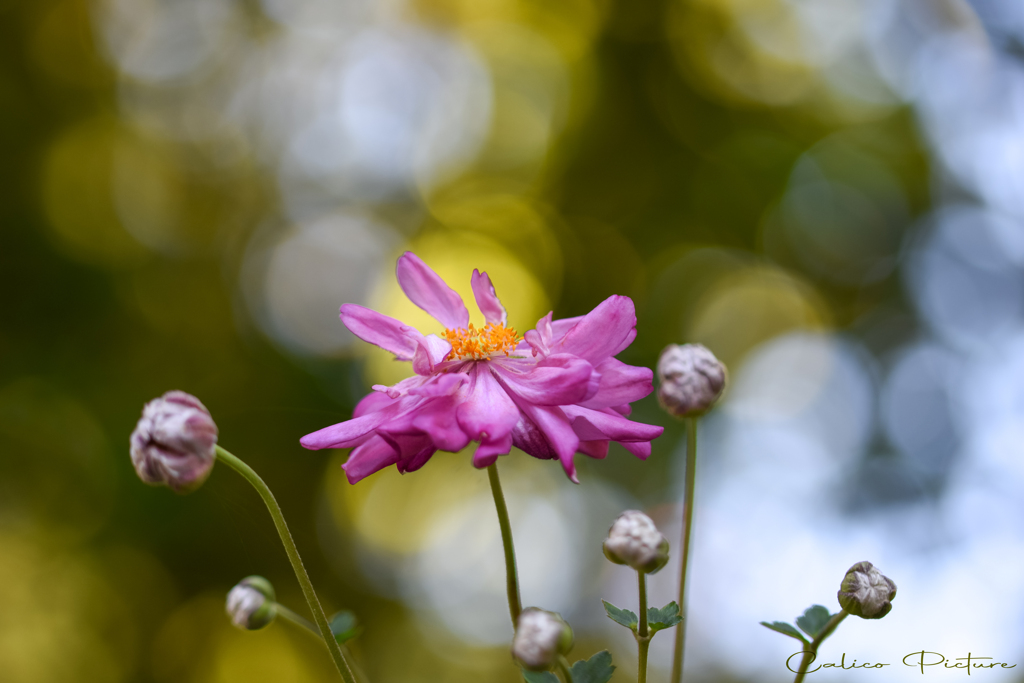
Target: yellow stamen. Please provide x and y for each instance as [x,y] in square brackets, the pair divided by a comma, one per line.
[471,343]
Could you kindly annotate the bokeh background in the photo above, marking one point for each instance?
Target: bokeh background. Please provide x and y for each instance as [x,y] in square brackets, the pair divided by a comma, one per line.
[828,194]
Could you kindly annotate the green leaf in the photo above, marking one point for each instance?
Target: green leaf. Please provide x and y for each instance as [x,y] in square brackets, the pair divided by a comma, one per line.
[597,669]
[540,677]
[621,616]
[813,620]
[345,626]
[785,629]
[666,617]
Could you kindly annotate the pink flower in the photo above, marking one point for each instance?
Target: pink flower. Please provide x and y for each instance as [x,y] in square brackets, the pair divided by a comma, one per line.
[555,392]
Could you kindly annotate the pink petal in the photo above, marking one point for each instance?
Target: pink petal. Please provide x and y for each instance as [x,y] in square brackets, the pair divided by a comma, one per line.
[378,329]
[552,422]
[430,351]
[620,384]
[441,385]
[595,424]
[351,432]
[595,449]
[487,413]
[372,456]
[426,289]
[560,327]
[487,452]
[486,300]
[528,438]
[604,332]
[371,403]
[641,449]
[437,419]
[415,452]
[554,381]
[539,338]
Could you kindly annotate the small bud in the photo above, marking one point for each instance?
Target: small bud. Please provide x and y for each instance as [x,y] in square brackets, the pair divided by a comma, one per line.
[541,637]
[866,592]
[635,541]
[690,380]
[251,604]
[173,443]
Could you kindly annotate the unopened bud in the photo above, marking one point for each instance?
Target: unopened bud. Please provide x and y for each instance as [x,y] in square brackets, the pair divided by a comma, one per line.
[866,592]
[635,541]
[690,380]
[173,443]
[251,604]
[541,638]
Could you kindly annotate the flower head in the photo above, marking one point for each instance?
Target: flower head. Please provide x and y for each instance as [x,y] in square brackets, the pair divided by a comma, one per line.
[250,603]
[690,380]
[174,442]
[540,638]
[866,592]
[635,541]
[553,392]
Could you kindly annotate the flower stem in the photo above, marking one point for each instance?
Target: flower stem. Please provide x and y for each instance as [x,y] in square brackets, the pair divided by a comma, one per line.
[812,651]
[643,638]
[297,619]
[293,555]
[691,464]
[563,666]
[515,605]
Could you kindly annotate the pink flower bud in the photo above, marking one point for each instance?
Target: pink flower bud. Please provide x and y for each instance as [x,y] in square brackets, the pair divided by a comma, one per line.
[690,380]
[173,443]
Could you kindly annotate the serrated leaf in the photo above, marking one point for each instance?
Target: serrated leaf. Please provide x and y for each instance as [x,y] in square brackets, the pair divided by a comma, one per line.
[785,629]
[813,620]
[597,669]
[666,617]
[621,616]
[540,677]
[345,626]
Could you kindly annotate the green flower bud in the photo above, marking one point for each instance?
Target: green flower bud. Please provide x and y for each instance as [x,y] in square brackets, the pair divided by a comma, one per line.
[866,592]
[251,604]
[541,637]
[635,541]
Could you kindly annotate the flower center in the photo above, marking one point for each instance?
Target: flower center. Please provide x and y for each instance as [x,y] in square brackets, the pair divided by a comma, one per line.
[473,344]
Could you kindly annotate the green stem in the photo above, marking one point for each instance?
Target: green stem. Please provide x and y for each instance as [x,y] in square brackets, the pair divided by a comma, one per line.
[563,666]
[515,605]
[311,628]
[643,638]
[297,619]
[691,464]
[293,555]
[812,652]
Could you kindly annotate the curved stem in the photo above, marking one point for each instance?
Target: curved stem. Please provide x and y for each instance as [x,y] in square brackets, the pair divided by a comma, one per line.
[297,619]
[824,633]
[293,555]
[515,605]
[691,464]
[563,666]
[643,638]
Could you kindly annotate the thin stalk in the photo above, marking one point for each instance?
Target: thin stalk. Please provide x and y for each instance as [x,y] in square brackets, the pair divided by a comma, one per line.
[297,619]
[293,555]
[812,652]
[643,637]
[563,666]
[691,464]
[515,604]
